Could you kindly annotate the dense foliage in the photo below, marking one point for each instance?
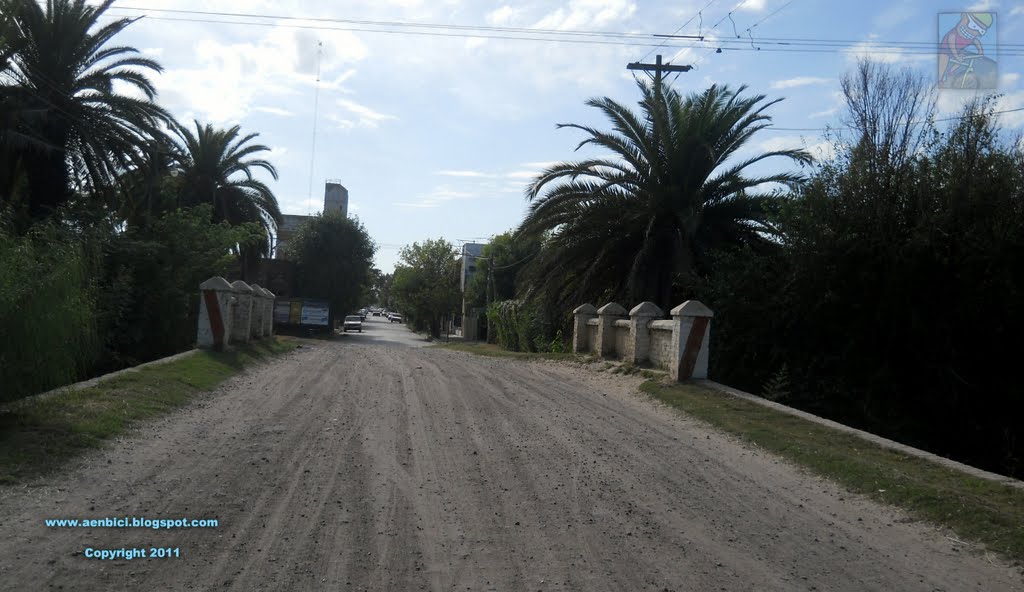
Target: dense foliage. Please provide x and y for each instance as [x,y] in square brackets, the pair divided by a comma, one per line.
[109,223]
[47,311]
[521,326]
[426,284]
[896,297]
[498,268]
[884,290]
[632,225]
[333,256]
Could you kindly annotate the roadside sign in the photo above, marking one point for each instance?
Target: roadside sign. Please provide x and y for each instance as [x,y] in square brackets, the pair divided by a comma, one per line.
[315,312]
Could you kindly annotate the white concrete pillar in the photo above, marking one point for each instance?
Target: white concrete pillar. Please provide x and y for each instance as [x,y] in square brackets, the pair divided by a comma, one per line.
[638,346]
[258,310]
[215,315]
[582,314]
[691,337]
[607,315]
[269,319]
[242,323]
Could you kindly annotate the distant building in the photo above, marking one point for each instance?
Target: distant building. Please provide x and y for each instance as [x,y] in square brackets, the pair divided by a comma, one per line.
[470,253]
[470,321]
[335,200]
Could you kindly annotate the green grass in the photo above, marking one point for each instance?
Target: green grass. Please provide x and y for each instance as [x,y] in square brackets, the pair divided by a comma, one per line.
[494,351]
[975,509]
[39,436]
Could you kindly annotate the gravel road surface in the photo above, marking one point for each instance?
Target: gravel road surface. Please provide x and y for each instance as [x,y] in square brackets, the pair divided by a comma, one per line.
[367,463]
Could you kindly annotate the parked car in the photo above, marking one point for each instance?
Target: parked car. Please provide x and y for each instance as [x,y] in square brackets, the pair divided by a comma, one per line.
[353,322]
[395,318]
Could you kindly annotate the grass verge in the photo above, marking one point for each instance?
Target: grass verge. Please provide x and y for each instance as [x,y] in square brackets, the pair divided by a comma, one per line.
[975,509]
[41,435]
[494,351]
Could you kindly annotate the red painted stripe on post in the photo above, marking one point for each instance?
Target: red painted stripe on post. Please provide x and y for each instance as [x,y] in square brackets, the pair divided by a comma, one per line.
[216,320]
[693,343]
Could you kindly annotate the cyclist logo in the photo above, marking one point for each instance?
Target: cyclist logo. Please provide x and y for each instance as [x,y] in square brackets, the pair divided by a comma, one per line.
[963,61]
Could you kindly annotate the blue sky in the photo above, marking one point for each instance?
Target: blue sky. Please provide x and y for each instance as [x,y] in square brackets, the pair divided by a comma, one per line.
[436,136]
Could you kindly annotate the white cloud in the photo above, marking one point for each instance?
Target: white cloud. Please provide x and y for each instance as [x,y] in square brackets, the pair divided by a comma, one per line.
[275,111]
[471,174]
[752,5]
[825,113]
[438,197]
[522,174]
[364,116]
[227,78]
[879,52]
[582,14]
[983,6]
[1017,10]
[822,150]
[799,81]
[503,16]
[541,165]
[1014,100]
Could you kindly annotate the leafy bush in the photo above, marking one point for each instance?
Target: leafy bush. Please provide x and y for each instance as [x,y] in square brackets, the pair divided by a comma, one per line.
[47,311]
[519,326]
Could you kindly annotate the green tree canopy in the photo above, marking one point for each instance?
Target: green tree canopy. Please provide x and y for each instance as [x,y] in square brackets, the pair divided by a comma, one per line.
[497,269]
[426,283]
[217,167]
[333,256]
[628,226]
[71,126]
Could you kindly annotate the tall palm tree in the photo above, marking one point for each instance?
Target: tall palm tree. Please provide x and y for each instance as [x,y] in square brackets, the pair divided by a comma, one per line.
[215,168]
[66,68]
[627,226]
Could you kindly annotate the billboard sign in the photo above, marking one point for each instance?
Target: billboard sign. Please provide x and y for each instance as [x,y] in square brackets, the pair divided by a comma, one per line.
[282,310]
[315,312]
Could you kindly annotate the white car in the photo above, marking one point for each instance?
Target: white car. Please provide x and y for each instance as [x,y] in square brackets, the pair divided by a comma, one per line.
[395,318]
[354,322]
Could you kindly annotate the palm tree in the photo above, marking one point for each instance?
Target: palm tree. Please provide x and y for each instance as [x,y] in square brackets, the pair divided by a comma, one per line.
[65,69]
[215,168]
[628,226]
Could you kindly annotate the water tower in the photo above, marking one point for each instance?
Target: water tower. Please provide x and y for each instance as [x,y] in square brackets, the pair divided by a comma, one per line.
[336,198]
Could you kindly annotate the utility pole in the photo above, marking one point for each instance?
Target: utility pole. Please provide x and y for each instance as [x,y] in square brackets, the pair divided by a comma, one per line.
[659,70]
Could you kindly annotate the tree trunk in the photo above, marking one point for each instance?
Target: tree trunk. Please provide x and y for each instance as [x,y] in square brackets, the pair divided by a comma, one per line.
[47,176]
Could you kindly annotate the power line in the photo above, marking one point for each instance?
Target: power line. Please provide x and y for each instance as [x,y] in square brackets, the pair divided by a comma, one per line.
[680,28]
[773,13]
[398,32]
[594,37]
[391,23]
[924,121]
[728,15]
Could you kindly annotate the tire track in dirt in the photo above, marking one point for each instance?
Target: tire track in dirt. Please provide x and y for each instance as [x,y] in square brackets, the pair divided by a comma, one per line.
[352,466]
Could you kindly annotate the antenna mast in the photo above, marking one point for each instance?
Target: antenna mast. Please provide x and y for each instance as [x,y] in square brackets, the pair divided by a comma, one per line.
[316,110]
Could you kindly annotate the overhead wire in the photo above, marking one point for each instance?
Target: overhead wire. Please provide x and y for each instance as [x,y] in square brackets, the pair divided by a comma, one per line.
[713,27]
[679,28]
[920,122]
[613,38]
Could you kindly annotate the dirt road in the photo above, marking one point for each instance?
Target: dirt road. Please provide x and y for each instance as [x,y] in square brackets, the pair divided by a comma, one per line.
[366,464]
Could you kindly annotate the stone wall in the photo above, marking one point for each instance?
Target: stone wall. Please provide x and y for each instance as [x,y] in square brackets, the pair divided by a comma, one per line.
[660,353]
[621,335]
[642,336]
